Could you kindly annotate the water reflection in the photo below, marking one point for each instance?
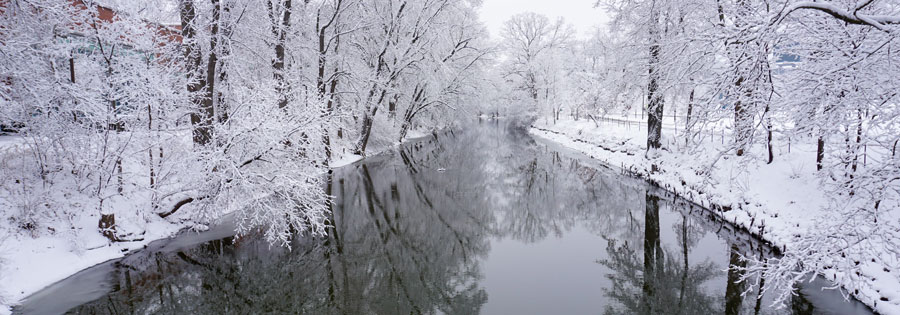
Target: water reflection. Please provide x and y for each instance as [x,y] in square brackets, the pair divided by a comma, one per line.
[412,231]
[664,281]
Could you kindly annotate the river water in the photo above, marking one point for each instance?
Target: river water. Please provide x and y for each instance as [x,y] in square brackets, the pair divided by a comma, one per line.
[482,220]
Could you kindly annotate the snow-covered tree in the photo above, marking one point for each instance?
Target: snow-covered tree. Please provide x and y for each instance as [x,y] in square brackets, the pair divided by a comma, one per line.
[532,46]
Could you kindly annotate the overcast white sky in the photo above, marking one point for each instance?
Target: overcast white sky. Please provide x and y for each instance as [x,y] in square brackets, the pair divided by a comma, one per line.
[579,13]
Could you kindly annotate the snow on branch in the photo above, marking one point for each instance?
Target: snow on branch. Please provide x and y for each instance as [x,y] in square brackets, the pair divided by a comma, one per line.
[876,21]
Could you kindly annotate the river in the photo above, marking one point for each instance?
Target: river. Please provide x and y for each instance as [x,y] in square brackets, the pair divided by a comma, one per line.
[480,220]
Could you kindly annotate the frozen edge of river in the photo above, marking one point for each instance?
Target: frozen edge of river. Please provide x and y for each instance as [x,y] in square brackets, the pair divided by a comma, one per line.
[612,146]
[56,259]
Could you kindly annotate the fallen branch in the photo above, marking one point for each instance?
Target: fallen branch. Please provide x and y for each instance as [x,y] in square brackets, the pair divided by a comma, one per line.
[177,206]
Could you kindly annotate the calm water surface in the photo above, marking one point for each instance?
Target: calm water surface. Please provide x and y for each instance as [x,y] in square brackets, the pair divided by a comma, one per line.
[484,220]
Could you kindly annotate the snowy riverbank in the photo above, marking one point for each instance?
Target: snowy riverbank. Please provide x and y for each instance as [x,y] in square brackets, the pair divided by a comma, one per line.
[30,263]
[780,202]
[31,260]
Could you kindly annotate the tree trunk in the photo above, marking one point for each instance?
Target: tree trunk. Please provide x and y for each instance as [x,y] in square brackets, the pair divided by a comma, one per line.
[734,289]
[858,144]
[653,254]
[222,107]
[769,136]
[655,101]
[685,248]
[411,111]
[320,79]
[687,119]
[208,105]
[72,69]
[894,149]
[743,115]
[201,129]
[280,33]
[820,152]
[107,226]
[368,120]
[150,157]
[742,121]
[329,106]
[372,108]
[392,105]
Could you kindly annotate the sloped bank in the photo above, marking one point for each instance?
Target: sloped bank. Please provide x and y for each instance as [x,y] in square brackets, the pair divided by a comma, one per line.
[753,211]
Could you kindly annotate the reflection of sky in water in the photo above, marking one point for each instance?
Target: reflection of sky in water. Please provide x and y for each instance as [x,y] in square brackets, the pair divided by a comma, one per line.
[554,276]
[484,219]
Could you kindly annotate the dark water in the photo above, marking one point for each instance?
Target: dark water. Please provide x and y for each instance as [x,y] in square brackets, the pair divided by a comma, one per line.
[484,220]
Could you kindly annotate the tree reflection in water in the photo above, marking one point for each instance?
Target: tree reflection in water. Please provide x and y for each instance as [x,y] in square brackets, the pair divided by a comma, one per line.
[410,231]
[398,244]
[663,282]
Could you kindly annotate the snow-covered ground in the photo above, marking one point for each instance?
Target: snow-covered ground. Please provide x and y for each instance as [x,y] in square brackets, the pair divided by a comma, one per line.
[32,260]
[777,201]
[34,263]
